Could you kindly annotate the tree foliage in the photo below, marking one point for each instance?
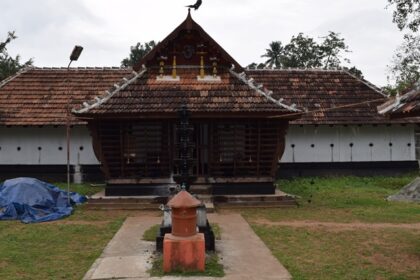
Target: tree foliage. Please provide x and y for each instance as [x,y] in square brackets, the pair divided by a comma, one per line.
[305,52]
[274,55]
[301,52]
[256,66]
[10,65]
[405,66]
[137,52]
[406,14]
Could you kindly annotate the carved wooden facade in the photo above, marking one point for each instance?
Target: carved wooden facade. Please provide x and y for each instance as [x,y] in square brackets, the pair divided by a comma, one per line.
[235,141]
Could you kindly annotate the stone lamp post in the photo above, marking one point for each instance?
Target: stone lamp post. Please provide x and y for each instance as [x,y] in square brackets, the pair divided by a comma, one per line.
[184,248]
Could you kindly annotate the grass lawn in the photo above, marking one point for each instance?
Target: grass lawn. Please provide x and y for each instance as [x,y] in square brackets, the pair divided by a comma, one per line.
[370,250]
[344,199]
[63,249]
[67,248]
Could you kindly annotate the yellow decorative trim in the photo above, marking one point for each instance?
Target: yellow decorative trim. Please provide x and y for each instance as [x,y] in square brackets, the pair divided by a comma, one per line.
[161,71]
[202,73]
[214,69]
[174,68]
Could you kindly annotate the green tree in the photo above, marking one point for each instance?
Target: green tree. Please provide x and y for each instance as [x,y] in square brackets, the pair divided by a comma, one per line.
[405,65]
[254,66]
[406,14]
[137,52]
[354,71]
[8,64]
[305,52]
[331,51]
[274,55]
[302,52]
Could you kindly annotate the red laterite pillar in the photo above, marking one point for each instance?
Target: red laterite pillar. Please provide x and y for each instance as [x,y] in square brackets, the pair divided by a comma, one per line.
[184,248]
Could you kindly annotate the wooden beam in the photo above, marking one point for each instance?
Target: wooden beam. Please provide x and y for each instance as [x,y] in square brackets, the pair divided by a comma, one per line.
[139,181]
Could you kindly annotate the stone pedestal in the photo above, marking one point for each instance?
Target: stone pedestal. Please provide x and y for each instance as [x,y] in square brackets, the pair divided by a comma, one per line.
[186,253]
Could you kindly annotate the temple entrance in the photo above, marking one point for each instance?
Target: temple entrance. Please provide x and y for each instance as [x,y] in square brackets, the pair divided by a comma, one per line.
[191,152]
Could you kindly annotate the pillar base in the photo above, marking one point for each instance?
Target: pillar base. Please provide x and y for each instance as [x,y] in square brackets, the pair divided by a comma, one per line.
[184,253]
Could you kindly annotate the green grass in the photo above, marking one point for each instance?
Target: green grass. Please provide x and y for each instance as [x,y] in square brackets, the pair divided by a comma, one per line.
[311,252]
[66,249]
[59,250]
[63,249]
[217,231]
[150,234]
[85,189]
[213,268]
[344,199]
[362,254]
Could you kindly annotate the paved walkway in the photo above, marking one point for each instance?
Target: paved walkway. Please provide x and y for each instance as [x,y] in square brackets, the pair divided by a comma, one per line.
[243,254]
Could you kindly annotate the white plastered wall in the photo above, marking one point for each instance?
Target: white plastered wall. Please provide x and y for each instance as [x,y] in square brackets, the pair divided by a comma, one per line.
[324,143]
[50,139]
[45,145]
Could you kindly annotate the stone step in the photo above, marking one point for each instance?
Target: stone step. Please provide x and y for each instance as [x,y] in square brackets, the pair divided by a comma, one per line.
[257,204]
[122,206]
[279,199]
[133,204]
[156,200]
[201,189]
[232,199]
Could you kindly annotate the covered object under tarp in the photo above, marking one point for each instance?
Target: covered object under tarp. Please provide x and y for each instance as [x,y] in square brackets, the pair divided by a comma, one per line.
[33,201]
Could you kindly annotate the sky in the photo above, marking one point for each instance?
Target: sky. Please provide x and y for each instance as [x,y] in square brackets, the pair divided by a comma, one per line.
[49,29]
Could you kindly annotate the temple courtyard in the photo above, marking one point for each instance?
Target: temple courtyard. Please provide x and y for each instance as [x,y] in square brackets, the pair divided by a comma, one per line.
[343,228]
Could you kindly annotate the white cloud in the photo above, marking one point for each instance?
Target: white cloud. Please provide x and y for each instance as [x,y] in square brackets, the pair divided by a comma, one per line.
[48,29]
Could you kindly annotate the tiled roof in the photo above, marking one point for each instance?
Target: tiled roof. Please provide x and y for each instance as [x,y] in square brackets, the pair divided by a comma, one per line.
[405,106]
[144,93]
[318,91]
[40,96]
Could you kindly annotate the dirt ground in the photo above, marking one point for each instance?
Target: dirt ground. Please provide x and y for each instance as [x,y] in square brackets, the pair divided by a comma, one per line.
[338,226]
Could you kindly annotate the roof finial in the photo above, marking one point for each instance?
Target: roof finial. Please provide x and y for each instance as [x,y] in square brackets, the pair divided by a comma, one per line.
[189,21]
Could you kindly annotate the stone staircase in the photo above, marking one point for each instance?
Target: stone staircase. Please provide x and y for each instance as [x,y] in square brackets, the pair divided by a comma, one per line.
[101,202]
[278,200]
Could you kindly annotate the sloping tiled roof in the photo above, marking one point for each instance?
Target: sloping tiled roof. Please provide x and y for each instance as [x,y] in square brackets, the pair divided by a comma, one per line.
[320,90]
[40,96]
[145,94]
[405,106]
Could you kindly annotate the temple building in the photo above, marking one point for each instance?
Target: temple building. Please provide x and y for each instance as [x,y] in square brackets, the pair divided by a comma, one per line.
[245,126]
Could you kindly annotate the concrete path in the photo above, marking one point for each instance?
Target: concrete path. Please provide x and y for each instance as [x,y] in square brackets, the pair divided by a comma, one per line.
[126,255]
[242,253]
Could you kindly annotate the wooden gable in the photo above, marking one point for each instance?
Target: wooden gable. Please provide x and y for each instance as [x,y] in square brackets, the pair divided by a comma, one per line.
[188,42]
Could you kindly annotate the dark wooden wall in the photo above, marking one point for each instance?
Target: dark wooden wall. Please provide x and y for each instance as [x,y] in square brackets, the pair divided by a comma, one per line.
[246,149]
[222,148]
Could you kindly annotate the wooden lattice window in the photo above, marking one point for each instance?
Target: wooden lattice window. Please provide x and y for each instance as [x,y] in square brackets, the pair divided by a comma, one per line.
[143,143]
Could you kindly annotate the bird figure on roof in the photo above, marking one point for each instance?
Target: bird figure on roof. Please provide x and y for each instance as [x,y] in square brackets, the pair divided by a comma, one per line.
[196,5]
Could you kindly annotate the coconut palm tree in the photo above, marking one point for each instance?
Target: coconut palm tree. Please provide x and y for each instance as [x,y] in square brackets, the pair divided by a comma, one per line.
[274,54]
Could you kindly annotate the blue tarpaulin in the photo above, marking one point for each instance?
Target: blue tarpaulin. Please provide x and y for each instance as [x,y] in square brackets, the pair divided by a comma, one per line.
[33,201]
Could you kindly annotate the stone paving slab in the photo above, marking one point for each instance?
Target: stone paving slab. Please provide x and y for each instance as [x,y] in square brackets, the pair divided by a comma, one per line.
[126,255]
[243,254]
